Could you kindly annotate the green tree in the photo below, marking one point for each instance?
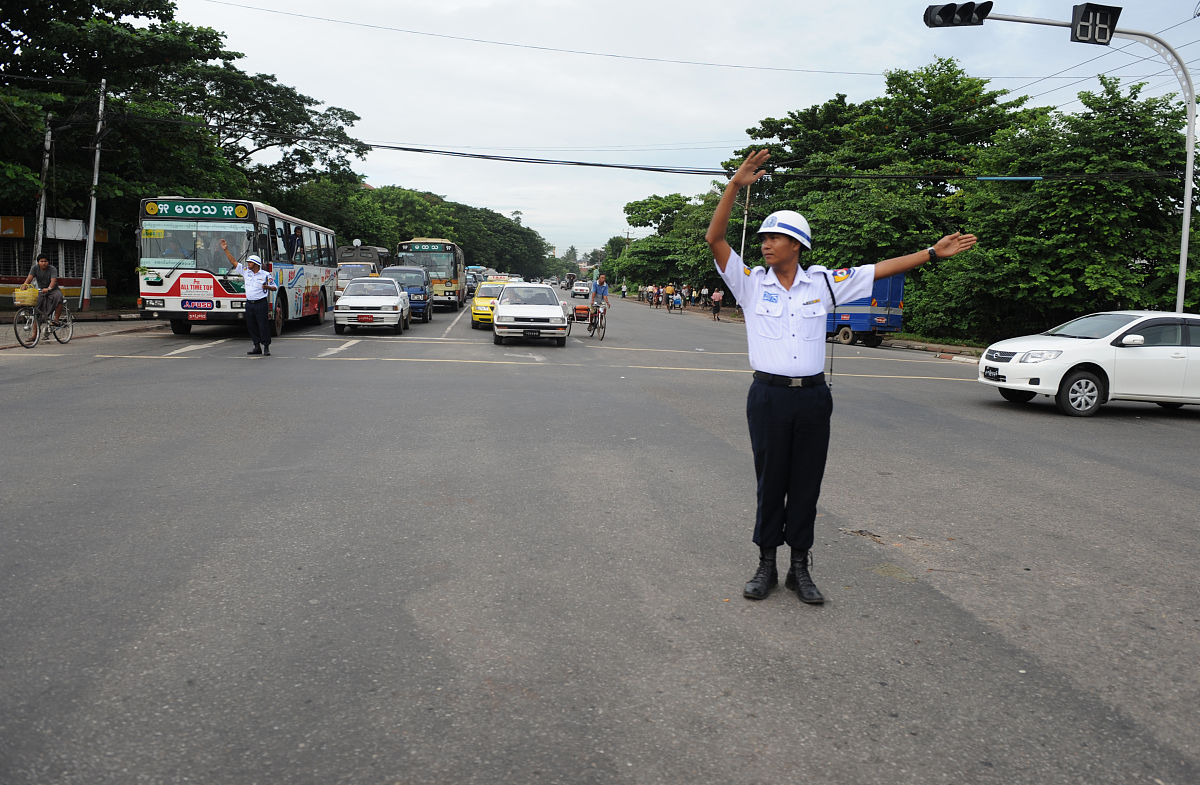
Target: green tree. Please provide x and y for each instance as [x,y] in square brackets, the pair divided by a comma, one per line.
[1057,248]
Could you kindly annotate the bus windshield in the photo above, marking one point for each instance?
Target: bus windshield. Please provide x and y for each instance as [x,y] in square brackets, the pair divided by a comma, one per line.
[439,265]
[194,245]
[348,271]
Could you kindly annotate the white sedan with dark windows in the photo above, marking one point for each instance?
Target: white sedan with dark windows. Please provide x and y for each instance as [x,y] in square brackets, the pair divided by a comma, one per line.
[372,302]
[529,310]
[581,289]
[1151,356]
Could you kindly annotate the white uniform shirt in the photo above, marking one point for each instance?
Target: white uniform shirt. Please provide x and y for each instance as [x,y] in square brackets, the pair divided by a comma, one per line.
[785,328]
[256,282]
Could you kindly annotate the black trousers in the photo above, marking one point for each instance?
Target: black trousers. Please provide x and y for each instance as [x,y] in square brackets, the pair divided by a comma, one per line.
[789,435]
[256,321]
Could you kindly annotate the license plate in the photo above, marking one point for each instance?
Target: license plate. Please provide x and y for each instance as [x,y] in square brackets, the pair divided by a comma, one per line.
[366,317]
[532,333]
[991,373]
[197,317]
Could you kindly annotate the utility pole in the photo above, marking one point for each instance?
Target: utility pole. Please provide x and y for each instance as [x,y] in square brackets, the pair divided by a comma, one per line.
[745,220]
[40,229]
[85,291]
[1093,23]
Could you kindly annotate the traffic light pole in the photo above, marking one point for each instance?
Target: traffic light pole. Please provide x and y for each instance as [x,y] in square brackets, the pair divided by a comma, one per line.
[1176,64]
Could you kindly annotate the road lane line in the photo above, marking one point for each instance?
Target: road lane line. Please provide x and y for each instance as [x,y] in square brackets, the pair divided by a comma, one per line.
[194,347]
[335,349]
[461,313]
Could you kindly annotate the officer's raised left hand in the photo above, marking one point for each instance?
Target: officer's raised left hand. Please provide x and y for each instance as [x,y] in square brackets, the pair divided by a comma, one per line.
[953,244]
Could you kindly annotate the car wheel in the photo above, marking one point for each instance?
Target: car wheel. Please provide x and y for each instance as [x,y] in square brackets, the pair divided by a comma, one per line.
[844,335]
[560,341]
[1017,396]
[339,328]
[496,339]
[398,327]
[1169,404]
[1080,394]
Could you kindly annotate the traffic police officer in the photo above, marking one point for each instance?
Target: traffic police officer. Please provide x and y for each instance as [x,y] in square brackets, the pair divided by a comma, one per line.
[789,405]
[259,284]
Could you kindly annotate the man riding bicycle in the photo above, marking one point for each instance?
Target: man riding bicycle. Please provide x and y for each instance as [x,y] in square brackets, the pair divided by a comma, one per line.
[599,292]
[49,295]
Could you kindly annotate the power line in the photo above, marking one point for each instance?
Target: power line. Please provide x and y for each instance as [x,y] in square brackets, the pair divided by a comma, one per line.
[561,50]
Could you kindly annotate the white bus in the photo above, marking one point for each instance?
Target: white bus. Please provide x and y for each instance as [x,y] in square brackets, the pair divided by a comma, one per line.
[185,275]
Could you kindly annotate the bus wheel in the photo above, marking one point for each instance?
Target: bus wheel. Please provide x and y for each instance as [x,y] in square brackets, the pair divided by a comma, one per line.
[320,317]
[279,316]
[180,327]
[844,335]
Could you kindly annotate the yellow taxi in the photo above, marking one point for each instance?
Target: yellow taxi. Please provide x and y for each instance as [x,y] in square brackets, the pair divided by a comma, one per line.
[484,303]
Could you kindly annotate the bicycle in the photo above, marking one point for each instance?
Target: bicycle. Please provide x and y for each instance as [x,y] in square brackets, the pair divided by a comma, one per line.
[30,325]
[597,321]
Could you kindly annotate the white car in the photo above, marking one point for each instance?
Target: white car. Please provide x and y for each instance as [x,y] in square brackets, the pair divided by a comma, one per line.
[1117,355]
[529,310]
[581,289]
[372,302]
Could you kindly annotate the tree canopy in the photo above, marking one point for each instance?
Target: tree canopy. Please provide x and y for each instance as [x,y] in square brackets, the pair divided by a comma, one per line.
[893,174]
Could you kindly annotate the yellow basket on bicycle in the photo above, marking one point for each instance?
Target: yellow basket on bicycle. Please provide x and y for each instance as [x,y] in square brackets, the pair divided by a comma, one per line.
[25,296]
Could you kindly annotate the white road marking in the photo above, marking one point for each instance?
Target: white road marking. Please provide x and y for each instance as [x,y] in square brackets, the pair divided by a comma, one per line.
[535,357]
[335,349]
[194,347]
[461,313]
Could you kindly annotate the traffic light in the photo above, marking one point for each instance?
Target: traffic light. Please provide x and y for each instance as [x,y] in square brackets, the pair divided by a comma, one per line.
[957,14]
[1092,23]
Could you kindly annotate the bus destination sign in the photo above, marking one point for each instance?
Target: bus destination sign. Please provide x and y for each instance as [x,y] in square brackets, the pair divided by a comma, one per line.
[425,247]
[190,208]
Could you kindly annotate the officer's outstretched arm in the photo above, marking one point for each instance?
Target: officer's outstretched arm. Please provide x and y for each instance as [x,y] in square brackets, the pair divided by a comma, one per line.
[946,247]
[747,174]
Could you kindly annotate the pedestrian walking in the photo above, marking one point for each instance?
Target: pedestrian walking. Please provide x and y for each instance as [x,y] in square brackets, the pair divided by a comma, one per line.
[258,285]
[624,290]
[788,407]
[717,297]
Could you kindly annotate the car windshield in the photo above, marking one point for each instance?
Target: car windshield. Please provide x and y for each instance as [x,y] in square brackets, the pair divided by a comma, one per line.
[348,271]
[489,290]
[376,288]
[405,277]
[528,295]
[1096,325]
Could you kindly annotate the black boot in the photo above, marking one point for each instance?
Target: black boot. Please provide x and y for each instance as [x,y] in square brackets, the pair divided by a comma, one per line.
[799,581]
[765,578]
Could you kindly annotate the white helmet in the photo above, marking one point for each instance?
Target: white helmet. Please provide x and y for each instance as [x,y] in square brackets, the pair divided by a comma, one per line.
[788,222]
[253,259]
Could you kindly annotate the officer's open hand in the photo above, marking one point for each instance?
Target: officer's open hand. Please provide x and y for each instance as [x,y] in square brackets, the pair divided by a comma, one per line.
[750,171]
[953,244]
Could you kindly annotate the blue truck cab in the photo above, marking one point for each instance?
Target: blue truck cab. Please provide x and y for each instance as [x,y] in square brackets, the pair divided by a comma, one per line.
[418,284]
[869,319]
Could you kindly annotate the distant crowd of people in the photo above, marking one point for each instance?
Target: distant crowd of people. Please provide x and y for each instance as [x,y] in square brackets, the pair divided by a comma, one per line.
[682,297]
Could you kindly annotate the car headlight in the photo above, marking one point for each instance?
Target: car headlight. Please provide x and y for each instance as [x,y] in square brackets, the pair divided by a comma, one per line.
[1039,355]
[395,308]
[341,307]
[558,322]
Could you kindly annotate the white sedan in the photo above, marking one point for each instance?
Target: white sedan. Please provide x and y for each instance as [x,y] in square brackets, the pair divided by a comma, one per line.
[581,289]
[529,310]
[1149,356]
[372,302]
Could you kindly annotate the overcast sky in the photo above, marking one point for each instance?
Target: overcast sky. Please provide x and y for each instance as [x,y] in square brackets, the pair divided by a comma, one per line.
[406,70]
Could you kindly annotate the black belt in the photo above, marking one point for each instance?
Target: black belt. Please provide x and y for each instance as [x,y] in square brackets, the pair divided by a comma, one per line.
[816,380]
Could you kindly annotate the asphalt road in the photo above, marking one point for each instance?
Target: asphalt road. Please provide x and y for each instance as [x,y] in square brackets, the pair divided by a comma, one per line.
[429,559]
